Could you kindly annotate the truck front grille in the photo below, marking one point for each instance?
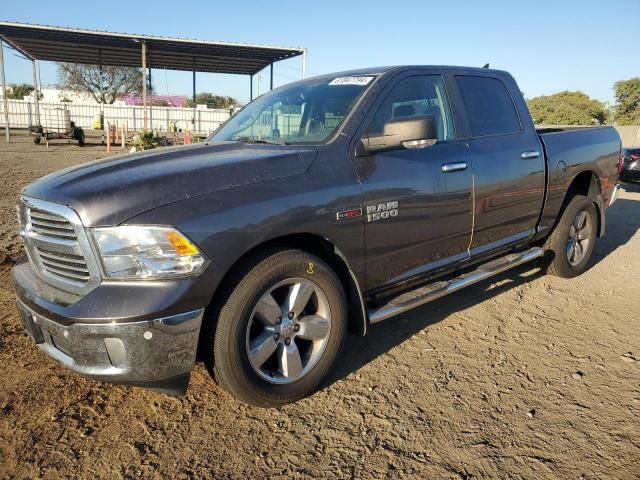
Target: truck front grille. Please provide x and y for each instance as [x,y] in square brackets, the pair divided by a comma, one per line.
[57,246]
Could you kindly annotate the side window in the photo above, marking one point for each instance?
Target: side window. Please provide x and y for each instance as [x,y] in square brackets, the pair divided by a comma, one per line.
[414,96]
[490,109]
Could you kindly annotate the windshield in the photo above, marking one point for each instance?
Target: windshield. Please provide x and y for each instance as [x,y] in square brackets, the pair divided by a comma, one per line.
[303,112]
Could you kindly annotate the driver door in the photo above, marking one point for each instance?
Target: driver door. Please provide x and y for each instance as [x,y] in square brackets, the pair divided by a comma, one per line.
[417,201]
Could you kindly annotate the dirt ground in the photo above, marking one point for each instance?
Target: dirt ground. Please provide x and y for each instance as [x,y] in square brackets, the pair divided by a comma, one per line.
[524,376]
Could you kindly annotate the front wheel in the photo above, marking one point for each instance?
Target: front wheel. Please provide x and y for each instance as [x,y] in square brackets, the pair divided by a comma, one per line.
[280,330]
[570,245]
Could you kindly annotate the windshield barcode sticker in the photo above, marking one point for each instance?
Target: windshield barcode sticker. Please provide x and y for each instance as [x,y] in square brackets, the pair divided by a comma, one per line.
[362,81]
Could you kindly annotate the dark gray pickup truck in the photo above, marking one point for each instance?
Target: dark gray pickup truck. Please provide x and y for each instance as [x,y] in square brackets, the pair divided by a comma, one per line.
[322,207]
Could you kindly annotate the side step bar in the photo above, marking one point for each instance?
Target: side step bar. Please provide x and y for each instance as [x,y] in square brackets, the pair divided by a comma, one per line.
[415,298]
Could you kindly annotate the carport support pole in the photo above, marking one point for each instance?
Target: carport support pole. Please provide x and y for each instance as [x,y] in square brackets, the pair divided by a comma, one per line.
[193,98]
[101,101]
[274,122]
[304,63]
[150,91]
[144,84]
[271,77]
[4,95]
[36,92]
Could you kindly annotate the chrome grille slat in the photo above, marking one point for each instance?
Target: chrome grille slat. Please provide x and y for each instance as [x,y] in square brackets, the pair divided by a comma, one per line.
[34,213]
[50,224]
[57,245]
[67,274]
[62,257]
[51,263]
[46,231]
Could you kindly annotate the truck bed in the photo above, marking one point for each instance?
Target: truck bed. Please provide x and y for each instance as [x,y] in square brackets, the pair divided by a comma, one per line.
[572,151]
[545,130]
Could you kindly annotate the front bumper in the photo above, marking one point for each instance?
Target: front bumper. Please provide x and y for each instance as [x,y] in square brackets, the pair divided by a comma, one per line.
[157,353]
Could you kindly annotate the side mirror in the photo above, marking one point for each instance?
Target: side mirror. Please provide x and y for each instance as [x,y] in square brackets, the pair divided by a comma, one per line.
[405,132]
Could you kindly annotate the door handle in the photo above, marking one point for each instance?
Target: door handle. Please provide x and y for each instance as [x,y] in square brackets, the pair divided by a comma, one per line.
[530,154]
[454,167]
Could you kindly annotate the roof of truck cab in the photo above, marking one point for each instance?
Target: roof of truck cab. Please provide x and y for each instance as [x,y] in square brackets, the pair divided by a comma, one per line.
[399,68]
[445,67]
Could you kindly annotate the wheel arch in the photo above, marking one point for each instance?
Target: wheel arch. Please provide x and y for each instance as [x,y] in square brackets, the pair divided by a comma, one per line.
[587,183]
[316,245]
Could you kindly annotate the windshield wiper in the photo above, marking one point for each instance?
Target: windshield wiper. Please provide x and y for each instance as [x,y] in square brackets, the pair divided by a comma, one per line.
[253,140]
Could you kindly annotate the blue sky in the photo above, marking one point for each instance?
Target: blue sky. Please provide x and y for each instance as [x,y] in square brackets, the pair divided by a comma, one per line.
[548,46]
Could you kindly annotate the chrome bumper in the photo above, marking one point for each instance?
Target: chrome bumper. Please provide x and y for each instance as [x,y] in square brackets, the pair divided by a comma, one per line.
[157,354]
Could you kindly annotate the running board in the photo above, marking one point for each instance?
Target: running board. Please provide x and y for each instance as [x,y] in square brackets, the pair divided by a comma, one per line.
[433,291]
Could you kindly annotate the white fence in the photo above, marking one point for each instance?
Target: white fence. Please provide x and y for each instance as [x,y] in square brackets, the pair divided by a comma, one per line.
[22,114]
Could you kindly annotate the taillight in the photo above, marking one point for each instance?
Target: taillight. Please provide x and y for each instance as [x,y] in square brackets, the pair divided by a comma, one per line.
[634,156]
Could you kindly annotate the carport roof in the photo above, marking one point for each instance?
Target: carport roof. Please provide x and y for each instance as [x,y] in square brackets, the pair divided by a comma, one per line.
[61,44]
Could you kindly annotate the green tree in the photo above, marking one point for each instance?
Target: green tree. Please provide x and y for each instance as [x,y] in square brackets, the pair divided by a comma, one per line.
[116,81]
[627,109]
[18,92]
[213,101]
[567,108]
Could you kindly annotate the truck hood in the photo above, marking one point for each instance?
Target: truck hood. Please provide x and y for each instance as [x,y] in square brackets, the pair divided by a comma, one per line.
[110,191]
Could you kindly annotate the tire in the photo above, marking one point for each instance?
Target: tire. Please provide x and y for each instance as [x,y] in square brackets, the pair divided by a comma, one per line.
[36,139]
[563,257]
[79,134]
[245,320]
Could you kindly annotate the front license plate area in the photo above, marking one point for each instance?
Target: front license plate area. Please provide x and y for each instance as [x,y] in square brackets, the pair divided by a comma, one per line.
[30,327]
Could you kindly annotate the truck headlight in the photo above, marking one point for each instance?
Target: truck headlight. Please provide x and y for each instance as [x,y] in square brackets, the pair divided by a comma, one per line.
[147,252]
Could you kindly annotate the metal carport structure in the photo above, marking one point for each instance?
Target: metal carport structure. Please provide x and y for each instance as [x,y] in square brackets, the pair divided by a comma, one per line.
[71,45]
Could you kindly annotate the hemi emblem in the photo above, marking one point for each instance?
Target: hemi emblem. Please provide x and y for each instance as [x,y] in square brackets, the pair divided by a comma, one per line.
[353,213]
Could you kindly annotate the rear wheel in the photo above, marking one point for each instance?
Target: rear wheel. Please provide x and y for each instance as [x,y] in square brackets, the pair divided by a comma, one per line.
[280,329]
[570,245]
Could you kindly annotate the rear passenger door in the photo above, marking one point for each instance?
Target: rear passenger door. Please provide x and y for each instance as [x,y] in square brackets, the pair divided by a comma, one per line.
[507,161]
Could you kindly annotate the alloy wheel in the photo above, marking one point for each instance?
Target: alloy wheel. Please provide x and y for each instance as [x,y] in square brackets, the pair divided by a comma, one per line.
[288,330]
[580,234]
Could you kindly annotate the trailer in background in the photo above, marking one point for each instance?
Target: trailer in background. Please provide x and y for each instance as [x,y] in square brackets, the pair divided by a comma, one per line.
[57,125]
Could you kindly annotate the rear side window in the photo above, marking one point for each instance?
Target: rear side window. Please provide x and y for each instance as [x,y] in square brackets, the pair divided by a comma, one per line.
[490,110]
